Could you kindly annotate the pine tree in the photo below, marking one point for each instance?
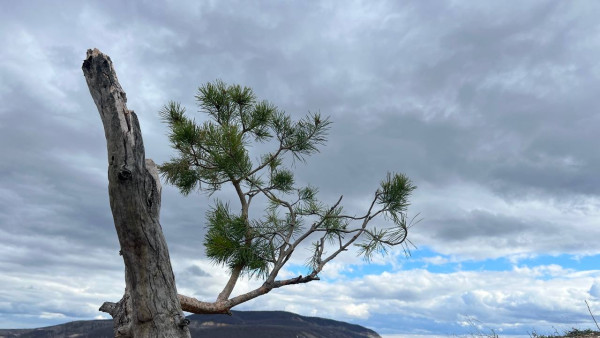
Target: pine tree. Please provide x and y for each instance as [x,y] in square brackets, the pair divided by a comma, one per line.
[215,153]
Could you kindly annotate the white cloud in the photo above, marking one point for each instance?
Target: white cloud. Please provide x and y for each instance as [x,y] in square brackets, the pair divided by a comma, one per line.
[515,301]
[52,315]
[357,310]
[436,260]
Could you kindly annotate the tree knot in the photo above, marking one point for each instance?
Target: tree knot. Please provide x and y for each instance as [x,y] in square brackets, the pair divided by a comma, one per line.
[183,322]
[125,174]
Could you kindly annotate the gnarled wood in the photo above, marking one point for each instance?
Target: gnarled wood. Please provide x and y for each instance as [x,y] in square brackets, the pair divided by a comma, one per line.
[224,306]
[150,307]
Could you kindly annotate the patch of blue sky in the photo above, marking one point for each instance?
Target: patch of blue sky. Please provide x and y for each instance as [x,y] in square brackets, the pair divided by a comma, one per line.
[366,269]
[574,262]
[427,259]
[349,271]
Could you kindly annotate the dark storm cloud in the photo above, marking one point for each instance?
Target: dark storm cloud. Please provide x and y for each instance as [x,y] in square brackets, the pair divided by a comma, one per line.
[479,224]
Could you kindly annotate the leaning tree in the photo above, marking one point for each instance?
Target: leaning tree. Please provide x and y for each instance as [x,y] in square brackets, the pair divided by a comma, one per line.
[249,242]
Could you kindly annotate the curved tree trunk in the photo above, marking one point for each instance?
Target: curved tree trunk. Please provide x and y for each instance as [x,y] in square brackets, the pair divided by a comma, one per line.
[150,307]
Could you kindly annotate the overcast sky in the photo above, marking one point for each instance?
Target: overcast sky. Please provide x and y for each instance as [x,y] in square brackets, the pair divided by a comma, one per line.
[491,107]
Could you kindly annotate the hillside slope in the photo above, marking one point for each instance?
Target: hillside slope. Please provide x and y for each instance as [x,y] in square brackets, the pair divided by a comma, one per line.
[250,324]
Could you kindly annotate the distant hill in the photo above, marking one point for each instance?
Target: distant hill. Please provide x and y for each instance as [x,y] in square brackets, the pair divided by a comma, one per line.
[250,324]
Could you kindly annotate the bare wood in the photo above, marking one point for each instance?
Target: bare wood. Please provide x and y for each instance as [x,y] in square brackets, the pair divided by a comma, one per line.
[150,307]
[223,306]
[591,314]
[228,289]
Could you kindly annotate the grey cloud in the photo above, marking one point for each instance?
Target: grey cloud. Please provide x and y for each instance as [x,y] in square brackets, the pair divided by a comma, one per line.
[595,290]
[197,271]
[481,234]
[483,95]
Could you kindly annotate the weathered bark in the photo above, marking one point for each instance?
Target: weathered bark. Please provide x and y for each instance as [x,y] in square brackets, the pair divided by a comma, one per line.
[150,307]
[235,275]
[224,306]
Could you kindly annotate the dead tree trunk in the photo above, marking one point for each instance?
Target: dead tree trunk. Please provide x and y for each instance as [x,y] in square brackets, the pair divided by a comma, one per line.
[150,307]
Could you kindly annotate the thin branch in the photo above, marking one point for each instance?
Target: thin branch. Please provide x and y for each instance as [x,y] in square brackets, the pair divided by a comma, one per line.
[280,150]
[271,158]
[197,160]
[315,225]
[590,310]
[353,239]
